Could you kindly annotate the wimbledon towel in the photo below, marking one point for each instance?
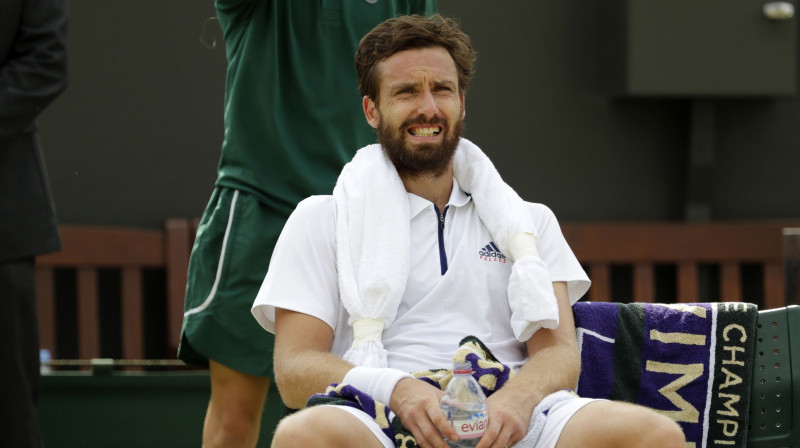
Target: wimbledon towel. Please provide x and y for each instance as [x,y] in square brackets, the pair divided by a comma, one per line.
[372,246]
[691,362]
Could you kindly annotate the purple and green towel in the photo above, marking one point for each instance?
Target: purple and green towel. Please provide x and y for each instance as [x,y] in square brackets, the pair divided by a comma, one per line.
[691,362]
[490,373]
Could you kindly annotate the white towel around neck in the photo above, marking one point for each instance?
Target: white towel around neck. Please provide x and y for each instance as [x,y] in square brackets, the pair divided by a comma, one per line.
[373,253]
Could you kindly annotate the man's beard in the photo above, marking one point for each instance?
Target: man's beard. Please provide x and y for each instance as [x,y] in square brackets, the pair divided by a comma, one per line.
[424,160]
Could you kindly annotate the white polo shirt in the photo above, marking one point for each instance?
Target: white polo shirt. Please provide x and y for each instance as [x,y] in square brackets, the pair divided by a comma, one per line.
[457,284]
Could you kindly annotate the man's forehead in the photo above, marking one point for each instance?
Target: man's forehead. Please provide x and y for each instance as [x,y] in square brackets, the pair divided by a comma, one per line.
[430,62]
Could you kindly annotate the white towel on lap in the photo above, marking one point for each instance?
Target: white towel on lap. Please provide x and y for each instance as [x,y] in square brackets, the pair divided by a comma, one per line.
[373,253]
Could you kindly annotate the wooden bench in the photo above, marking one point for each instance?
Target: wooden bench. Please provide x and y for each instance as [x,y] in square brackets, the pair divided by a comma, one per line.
[641,248]
[686,251]
[87,251]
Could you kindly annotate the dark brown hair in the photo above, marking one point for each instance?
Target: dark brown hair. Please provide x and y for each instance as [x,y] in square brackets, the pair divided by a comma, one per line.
[410,32]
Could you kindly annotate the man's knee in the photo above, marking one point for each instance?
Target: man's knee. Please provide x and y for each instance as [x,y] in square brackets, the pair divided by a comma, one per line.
[648,428]
[302,429]
[322,426]
[663,432]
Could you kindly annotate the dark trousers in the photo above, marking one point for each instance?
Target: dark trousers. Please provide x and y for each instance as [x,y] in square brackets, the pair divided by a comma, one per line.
[19,355]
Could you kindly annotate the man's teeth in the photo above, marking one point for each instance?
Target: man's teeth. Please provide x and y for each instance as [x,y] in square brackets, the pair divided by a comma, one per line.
[425,132]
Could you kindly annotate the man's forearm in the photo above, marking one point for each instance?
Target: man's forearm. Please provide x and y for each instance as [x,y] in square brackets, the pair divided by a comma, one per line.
[551,369]
[301,374]
[554,363]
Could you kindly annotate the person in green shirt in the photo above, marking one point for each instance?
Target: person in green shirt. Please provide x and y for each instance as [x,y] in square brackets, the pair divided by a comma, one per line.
[293,118]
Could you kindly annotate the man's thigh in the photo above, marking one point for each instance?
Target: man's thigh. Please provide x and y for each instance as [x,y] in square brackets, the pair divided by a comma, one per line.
[329,426]
[605,423]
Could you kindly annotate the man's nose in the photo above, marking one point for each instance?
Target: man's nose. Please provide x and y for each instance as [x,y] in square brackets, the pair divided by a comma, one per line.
[427,104]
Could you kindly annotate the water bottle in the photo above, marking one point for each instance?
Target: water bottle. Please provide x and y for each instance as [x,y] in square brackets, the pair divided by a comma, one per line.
[464,404]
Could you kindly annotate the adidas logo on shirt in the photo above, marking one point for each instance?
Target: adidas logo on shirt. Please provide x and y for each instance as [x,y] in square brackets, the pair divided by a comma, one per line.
[490,252]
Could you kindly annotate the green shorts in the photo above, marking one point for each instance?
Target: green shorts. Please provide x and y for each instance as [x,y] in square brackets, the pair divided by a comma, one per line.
[229,260]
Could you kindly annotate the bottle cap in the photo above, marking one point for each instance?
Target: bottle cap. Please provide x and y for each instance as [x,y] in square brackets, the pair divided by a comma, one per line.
[462,368]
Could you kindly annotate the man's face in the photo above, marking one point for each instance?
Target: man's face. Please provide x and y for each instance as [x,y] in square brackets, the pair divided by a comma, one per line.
[419,116]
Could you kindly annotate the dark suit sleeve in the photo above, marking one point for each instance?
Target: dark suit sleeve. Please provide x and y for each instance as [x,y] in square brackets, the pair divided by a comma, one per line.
[35,70]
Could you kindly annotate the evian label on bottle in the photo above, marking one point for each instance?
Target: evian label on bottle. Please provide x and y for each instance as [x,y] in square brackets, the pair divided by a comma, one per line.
[472,427]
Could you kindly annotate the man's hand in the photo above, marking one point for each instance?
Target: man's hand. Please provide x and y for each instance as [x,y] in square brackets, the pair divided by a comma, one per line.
[509,417]
[554,364]
[416,403]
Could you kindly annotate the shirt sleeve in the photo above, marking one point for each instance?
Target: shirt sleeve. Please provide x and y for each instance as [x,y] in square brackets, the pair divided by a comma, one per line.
[556,253]
[302,273]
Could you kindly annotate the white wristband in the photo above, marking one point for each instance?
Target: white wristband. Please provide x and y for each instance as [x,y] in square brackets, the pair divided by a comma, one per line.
[522,244]
[376,381]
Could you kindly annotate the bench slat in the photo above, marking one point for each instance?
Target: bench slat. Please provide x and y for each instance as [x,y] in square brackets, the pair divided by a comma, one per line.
[687,282]
[632,242]
[106,246]
[600,274]
[88,314]
[644,282]
[178,244]
[773,285]
[730,280]
[132,319]
[46,308]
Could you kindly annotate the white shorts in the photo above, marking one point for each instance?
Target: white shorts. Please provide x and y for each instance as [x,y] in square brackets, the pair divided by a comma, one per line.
[552,422]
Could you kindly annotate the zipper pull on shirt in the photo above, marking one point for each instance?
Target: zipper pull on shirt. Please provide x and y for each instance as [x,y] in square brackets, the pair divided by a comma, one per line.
[442,254]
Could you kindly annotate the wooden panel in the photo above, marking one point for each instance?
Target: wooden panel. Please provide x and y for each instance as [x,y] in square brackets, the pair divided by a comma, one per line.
[600,274]
[46,308]
[107,246]
[675,242]
[688,283]
[88,314]
[643,282]
[730,282]
[132,319]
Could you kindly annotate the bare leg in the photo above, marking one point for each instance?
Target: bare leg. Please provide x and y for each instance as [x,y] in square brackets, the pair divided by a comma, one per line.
[233,419]
[620,425]
[323,426]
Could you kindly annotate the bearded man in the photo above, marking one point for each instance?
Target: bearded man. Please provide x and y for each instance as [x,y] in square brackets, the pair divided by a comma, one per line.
[420,245]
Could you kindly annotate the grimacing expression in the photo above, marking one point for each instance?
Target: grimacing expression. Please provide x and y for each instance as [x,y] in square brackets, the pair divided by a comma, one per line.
[426,159]
[419,115]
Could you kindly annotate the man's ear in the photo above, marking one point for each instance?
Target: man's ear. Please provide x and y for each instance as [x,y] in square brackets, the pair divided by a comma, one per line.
[463,107]
[370,111]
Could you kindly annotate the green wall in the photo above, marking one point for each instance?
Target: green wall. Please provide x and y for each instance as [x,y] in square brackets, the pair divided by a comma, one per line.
[132,409]
[136,136]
